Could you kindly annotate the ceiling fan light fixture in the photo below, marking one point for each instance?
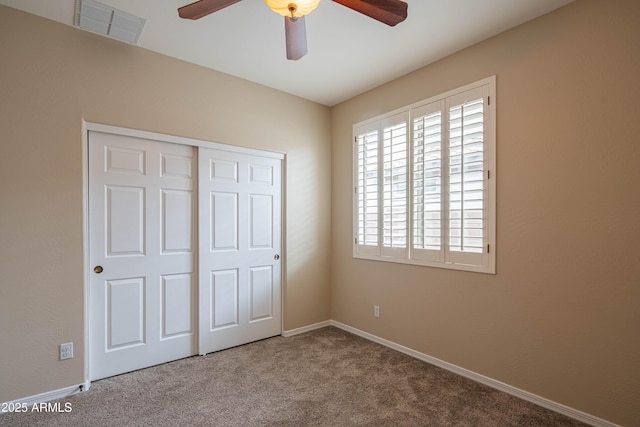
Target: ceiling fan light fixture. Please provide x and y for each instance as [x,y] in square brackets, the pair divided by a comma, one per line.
[390,12]
[292,9]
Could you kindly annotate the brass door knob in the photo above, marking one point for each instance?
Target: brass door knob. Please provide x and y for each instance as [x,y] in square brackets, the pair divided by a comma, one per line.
[98,269]
[276,257]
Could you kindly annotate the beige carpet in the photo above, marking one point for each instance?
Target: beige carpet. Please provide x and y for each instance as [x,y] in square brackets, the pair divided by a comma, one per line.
[327,377]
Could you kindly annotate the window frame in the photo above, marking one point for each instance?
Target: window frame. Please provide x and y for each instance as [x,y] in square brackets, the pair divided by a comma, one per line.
[484,261]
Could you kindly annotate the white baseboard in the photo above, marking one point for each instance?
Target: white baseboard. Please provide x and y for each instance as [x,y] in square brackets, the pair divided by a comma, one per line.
[525,395]
[307,328]
[52,395]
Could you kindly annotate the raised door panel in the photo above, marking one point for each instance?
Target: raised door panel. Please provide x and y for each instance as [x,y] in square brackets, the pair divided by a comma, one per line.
[176,166]
[223,170]
[224,301]
[125,312]
[223,221]
[124,160]
[177,305]
[125,220]
[261,221]
[261,294]
[176,219]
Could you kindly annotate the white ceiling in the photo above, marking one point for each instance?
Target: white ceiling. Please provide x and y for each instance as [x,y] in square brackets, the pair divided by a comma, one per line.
[349,53]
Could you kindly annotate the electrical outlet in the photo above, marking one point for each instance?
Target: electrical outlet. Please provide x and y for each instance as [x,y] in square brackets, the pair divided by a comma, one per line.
[66,351]
[376,311]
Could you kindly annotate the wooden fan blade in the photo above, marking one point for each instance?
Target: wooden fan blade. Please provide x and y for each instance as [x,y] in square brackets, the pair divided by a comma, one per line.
[203,7]
[295,32]
[390,12]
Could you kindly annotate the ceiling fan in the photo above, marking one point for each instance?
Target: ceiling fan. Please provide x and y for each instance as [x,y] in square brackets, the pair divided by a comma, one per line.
[390,12]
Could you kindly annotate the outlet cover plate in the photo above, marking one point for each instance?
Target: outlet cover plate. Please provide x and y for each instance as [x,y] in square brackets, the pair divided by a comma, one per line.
[66,351]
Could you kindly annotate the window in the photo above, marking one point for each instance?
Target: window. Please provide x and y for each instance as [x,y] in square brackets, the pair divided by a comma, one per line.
[424,179]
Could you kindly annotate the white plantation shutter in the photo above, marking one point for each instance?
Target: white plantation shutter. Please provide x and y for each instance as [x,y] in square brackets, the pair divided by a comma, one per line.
[367,189]
[423,191]
[426,176]
[395,186]
[466,178]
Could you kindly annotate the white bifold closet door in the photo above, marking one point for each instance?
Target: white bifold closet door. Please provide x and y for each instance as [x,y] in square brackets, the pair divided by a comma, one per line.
[184,253]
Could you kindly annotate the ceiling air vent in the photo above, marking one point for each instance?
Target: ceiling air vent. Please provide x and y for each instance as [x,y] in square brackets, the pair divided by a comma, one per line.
[107,21]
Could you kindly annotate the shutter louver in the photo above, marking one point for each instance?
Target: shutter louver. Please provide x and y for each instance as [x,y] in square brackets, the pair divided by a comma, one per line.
[466,177]
[427,181]
[395,186]
[367,189]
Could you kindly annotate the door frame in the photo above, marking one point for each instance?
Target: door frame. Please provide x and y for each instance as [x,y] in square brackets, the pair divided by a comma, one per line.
[135,133]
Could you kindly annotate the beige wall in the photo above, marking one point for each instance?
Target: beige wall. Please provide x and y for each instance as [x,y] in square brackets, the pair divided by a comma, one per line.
[561,318]
[52,77]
